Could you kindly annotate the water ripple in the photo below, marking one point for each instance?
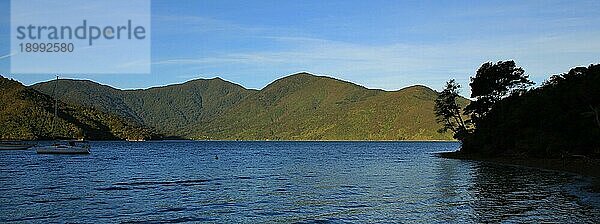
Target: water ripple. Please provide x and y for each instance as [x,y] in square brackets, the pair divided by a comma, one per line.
[282,182]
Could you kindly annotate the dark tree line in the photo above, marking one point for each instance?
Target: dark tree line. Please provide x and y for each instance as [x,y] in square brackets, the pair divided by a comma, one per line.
[507,117]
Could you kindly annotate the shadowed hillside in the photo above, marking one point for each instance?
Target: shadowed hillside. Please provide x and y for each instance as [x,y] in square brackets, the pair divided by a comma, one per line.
[27,114]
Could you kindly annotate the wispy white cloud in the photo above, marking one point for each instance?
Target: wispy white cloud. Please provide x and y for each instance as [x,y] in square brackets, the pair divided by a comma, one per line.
[133,64]
[201,24]
[384,66]
[459,41]
[7,56]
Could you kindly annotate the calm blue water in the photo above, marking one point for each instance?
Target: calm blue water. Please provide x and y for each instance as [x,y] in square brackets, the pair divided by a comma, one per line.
[256,182]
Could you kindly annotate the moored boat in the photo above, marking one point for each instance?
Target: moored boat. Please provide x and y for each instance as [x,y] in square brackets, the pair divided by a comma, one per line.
[14,146]
[63,147]
[68,147]
[135,140]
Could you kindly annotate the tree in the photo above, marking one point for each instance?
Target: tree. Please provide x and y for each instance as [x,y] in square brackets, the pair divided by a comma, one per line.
[492,82]
[448,112]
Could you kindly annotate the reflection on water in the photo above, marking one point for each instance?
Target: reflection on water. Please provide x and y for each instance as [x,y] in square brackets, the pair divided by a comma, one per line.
[453,181]
[509,193]
[278,182]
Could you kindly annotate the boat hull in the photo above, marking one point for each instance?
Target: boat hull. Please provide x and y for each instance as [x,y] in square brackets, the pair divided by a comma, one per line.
[60,150]
[14,147]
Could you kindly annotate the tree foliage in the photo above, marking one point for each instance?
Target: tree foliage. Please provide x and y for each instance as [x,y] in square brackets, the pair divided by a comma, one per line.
[491,83]
[557,119]
[448,112]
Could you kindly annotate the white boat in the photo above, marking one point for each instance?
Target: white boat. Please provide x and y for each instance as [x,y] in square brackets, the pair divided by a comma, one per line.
[64,147]
[14,146]
[135,140]
[70,147]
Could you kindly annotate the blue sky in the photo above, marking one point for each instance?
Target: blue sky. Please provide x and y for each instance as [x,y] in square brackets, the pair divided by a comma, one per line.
[378,44]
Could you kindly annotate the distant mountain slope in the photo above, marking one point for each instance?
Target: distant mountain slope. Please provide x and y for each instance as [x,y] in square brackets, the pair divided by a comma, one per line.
[297,107]
[27,114]
[308,107]
[170,109]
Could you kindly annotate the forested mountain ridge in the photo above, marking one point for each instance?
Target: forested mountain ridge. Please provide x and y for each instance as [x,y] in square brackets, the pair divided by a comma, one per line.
[296,107]
[170,109]
[308,107]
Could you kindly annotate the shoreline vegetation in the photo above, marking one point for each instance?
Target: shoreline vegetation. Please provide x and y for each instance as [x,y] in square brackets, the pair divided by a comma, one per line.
[555,126]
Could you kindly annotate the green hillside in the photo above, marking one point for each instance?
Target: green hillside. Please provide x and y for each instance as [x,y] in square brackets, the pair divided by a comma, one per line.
[297,107]
[307,107]
[27,114]
[170,109]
